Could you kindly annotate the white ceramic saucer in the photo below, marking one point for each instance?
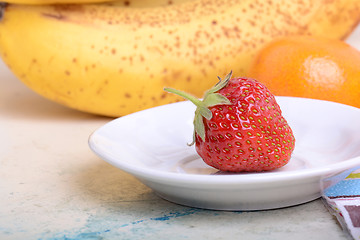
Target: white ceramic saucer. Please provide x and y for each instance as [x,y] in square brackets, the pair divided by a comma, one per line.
[152,146]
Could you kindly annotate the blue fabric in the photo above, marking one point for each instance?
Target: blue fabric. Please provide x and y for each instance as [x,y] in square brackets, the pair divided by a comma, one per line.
[347,187]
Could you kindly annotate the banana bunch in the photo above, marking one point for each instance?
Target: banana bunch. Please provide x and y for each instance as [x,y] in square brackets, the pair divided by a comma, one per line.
[115,58]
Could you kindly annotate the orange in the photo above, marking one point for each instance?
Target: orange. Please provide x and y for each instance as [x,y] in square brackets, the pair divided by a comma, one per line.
[311,67]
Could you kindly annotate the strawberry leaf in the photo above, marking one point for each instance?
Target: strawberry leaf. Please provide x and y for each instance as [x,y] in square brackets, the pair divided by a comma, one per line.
[220,85]
[215,99]
[199,127]
[211,98]
[205,111]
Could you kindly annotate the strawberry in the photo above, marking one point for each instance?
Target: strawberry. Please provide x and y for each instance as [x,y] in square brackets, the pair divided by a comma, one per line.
[238,127]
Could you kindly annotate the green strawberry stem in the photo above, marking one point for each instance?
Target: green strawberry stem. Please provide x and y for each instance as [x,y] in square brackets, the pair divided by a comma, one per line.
[205,112]
[188,96]
[211,98]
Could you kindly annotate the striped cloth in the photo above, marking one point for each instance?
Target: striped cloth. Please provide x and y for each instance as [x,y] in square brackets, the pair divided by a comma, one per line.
[341,195]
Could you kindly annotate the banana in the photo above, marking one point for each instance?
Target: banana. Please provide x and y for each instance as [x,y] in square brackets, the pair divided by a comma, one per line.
[146,3]
[113,59]
[127,3]
[41,2]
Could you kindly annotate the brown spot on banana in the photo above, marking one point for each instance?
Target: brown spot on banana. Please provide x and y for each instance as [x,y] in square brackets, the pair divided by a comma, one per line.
[58,16]
[163,96]
[3,5]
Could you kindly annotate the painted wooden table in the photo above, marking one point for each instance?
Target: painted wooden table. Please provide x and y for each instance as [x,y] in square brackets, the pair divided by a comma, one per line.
[52,186]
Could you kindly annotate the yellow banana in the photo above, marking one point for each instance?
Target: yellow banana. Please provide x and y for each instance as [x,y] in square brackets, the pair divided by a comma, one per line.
[127,3]
[37,2]
[146,3]
[113,60]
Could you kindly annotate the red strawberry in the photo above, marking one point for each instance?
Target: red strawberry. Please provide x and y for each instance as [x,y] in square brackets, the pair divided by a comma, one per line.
[239,127]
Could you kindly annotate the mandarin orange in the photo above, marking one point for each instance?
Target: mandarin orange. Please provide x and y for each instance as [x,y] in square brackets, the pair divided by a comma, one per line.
[311,67]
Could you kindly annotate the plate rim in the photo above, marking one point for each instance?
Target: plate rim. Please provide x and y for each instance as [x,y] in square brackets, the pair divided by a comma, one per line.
[229,179]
